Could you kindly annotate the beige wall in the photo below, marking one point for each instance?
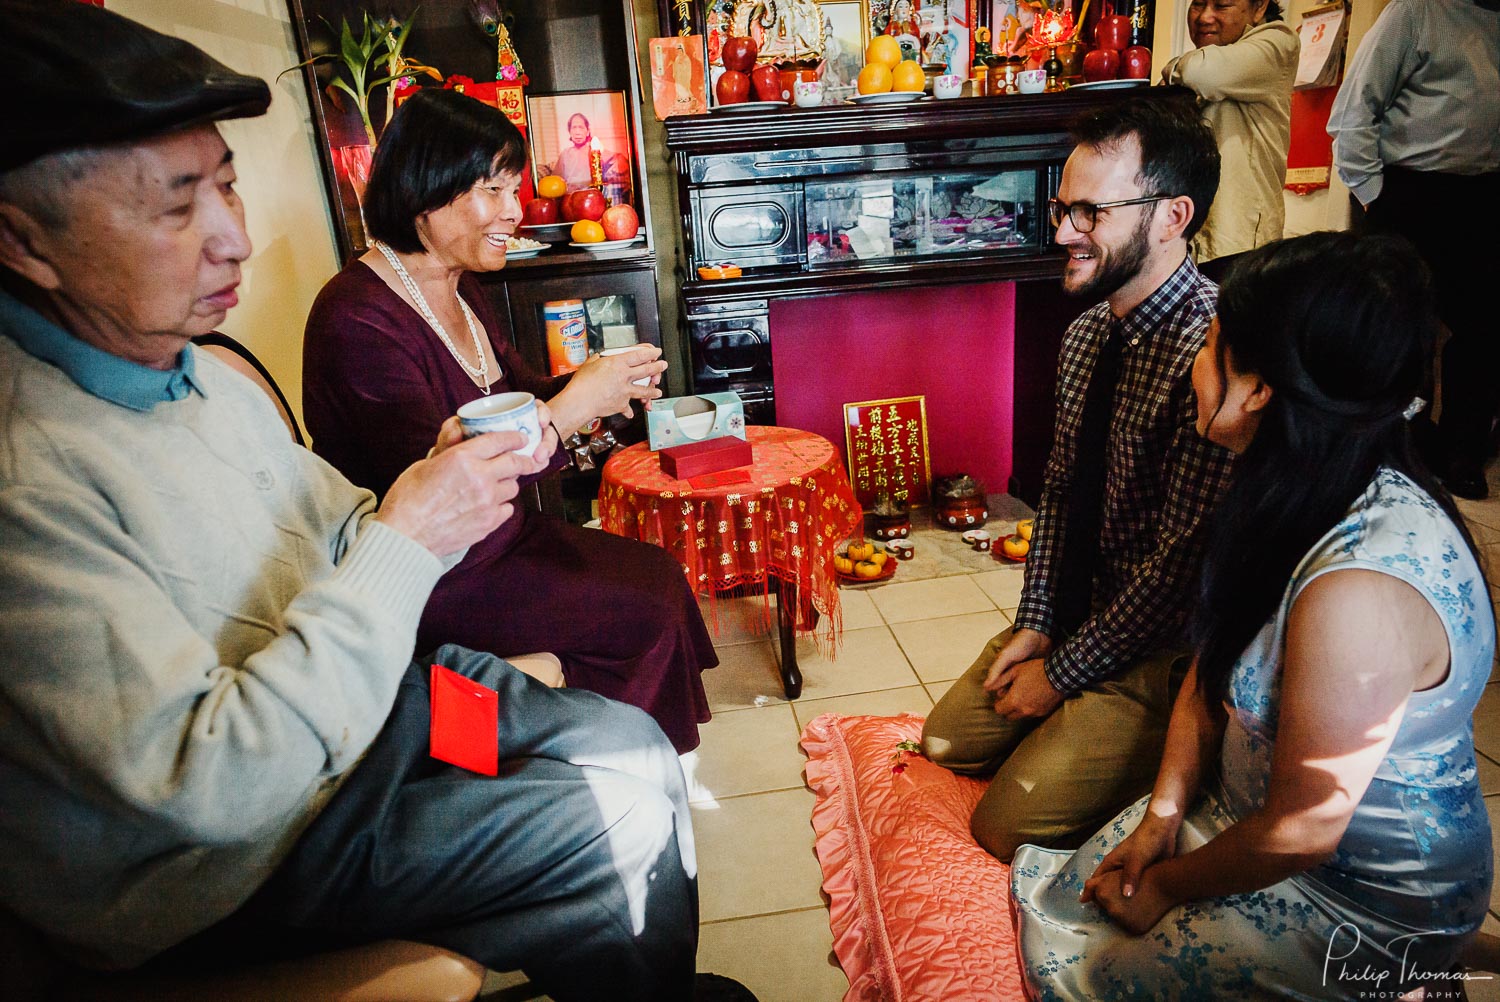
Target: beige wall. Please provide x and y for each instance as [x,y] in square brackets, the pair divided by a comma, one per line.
[280,179]
[1321,210]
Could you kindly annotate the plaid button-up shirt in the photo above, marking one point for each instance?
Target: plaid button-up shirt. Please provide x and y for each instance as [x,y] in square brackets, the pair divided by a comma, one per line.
[1162,480]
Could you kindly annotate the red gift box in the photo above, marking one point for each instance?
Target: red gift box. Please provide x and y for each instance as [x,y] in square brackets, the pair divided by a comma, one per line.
[698,458]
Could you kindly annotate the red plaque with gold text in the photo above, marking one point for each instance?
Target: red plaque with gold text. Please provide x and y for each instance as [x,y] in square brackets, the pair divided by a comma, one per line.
[887,442]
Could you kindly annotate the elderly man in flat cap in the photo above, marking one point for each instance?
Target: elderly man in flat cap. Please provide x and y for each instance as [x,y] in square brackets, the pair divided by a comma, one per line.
[214,743]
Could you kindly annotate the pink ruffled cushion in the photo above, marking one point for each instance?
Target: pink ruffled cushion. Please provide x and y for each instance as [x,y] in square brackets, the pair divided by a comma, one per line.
[918,910]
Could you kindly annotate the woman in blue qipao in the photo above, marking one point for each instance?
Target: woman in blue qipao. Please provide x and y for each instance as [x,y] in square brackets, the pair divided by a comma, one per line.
[1316,830]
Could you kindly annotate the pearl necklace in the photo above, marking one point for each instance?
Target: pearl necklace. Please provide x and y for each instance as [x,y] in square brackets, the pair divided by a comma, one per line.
[480,375]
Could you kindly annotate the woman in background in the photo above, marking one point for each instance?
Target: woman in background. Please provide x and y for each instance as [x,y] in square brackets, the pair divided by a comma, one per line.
[1317,821]
[405,335]
[1242,72]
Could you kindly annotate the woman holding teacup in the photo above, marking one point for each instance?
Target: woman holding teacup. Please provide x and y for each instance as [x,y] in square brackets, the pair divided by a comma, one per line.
[404,336]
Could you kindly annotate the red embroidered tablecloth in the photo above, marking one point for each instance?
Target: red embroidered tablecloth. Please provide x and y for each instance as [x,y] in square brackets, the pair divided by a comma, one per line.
[783,523]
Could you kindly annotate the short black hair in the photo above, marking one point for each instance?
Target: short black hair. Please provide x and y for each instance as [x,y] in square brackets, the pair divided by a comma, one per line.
[1179,155]
[438,145]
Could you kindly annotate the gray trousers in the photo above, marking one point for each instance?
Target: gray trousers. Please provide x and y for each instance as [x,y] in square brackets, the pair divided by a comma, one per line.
[575,864]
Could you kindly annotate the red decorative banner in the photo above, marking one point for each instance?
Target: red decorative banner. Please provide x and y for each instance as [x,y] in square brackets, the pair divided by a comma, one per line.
[1310,157]
[887,443]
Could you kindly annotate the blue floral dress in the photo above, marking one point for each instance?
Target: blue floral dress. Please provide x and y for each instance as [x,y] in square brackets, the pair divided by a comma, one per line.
[1411,877]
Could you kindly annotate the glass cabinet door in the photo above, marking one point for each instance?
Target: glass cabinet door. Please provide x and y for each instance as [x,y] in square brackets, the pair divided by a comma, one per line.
[875,219]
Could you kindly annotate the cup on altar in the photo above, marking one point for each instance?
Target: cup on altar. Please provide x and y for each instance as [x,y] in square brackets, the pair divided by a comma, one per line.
[807,93]
[620,351]
[981,540]
[503,412]
[947,86]
[901,549]
[1032,81]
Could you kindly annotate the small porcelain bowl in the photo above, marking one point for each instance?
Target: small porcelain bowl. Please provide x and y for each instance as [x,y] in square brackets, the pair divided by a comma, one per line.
[947,86]
[1032,81]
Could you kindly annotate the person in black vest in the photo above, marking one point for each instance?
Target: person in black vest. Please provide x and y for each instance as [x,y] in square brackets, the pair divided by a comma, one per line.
[1069,707]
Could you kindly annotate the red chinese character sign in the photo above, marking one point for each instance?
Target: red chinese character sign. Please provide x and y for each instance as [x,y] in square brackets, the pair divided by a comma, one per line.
[887,442]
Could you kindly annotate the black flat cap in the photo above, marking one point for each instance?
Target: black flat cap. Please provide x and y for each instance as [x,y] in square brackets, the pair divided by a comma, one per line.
[80,75]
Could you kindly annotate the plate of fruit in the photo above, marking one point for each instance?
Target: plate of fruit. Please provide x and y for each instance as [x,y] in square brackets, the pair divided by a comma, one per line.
[1017,545]
[861,562]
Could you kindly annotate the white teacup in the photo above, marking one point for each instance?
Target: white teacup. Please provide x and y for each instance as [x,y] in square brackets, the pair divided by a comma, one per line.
[808,93]
[503,412]
[1032,81]
[949,85]
[620,351]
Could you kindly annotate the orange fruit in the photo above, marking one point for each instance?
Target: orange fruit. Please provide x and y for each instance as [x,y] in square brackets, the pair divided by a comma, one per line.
[552,186]
[874,79]
[1025,527]
[1015,547]
[879,557]
[908,75]
[586,231]
[843,565]
[883,49]
[865,569]
[860,551]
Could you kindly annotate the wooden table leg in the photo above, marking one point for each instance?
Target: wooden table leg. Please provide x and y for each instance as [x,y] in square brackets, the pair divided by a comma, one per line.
[786,628]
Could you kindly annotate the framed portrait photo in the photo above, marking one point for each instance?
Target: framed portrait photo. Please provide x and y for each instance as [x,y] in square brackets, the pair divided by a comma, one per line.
[584,138]
[845,35]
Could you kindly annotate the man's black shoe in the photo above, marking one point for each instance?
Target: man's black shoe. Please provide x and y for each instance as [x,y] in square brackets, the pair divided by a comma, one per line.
[1466,480]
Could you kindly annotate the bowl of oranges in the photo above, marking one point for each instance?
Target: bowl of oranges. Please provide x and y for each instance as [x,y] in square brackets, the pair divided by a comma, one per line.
[1017,545]
[860,561]
[886,77]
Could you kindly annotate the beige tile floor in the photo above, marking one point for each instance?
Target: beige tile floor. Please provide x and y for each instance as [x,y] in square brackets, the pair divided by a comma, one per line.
[764,918]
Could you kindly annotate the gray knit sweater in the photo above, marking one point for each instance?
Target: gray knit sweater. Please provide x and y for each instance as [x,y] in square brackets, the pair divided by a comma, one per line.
[201,629]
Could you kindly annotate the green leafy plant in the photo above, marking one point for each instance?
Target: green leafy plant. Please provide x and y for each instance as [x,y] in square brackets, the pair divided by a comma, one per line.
[378,49]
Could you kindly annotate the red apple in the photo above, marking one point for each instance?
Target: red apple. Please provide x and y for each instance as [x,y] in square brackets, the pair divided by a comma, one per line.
[767,81]
[1101,64]
[733,87]
[1112,32]
[1136,63]
[585,203]
[620,223]
[739,53]
[539,212]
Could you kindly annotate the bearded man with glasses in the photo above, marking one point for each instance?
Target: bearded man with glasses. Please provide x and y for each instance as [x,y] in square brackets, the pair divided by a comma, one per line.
[1068,709]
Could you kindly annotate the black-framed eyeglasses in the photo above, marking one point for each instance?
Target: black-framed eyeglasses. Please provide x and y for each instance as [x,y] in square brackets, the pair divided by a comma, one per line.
[1085,214]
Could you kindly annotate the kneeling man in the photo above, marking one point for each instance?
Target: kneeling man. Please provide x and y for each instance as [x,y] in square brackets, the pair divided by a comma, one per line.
[1069,708]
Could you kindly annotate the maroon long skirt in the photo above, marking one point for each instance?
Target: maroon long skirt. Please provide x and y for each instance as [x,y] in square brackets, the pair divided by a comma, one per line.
[617,612]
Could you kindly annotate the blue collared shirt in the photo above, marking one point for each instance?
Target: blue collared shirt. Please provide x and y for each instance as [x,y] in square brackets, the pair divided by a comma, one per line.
[106,376]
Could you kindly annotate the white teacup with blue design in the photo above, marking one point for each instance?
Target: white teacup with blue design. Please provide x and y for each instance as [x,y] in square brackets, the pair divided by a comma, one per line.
[503,412]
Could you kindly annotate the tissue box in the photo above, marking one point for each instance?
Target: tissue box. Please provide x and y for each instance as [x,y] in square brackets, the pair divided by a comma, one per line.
[679,420]
[697,458]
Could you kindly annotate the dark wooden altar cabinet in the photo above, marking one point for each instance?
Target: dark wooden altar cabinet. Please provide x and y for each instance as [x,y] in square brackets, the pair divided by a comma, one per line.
[886,251]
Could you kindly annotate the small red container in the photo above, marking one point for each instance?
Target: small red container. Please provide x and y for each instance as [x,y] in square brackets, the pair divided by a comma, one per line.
[697,458]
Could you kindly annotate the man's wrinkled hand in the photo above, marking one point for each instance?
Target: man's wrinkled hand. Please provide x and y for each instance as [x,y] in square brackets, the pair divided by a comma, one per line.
[460,494]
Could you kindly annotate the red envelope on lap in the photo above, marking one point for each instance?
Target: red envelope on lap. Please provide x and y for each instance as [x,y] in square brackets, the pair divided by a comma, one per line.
[465,722]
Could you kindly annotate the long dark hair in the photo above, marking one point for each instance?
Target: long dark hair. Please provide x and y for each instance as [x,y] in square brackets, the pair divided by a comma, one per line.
[1342,329]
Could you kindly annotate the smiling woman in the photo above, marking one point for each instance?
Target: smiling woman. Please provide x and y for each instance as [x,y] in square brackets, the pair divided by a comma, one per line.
[1242,71]
[404,336]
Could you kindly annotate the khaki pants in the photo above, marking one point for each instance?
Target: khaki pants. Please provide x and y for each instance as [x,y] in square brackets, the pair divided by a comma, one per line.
[1060,778]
